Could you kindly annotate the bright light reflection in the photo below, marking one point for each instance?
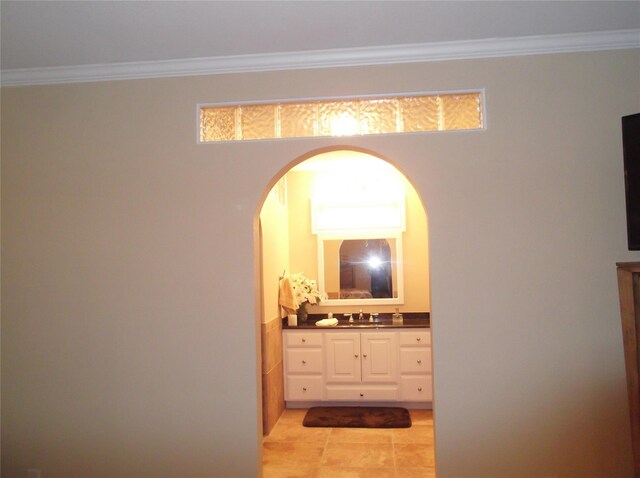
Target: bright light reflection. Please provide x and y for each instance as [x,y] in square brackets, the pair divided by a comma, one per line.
[358,182]
[344,125]
[355,190]
[374,262]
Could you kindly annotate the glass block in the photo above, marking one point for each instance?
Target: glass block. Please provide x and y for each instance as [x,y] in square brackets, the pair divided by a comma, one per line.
[461,111]
[258,121]
[218,124]
[297,120]
[378,116]
[419,113]
[338,118]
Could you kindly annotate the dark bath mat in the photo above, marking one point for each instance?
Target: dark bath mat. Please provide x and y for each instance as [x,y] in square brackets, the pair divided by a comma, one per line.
[357,417]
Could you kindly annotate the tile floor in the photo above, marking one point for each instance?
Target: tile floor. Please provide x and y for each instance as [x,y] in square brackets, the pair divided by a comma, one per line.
[294,451]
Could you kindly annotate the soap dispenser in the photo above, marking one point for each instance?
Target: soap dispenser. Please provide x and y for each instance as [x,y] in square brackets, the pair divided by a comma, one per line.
[397,318]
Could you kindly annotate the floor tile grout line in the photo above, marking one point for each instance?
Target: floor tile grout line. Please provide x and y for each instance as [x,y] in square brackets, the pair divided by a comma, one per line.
[393,454]
[324,448]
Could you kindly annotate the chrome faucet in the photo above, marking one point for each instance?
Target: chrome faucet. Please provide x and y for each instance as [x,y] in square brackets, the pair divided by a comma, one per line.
[360,316]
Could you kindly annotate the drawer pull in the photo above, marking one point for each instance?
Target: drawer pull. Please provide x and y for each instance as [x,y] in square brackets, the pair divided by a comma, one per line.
[419,389]
[304,389]
[304,340]
[418,339]
[419,361]
[304,362]
[362,394]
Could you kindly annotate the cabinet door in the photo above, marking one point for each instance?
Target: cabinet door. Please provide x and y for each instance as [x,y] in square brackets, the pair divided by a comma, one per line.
[418,338]
[303,387]
[415,360]
[379,357]
[342,357]
[304,360]
[302,338]
[416,389]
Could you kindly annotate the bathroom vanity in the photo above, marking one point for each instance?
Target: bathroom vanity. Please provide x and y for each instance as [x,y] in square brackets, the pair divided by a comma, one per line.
[358,362]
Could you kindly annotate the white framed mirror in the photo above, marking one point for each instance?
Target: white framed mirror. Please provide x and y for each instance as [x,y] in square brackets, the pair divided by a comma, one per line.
[361,268]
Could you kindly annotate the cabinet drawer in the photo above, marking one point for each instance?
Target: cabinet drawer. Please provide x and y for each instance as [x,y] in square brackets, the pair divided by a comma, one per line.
[422,337]
[304,360]
[416,389]
[362,394]
[303,339]
[303,388]
[415,360]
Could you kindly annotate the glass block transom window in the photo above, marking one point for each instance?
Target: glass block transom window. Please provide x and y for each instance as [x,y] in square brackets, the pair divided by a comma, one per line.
[341,117]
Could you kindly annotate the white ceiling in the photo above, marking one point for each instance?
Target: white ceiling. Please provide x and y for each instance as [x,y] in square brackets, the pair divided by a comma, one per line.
[54,34]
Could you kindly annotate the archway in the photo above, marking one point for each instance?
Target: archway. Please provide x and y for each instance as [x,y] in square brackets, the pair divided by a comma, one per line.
[285,242]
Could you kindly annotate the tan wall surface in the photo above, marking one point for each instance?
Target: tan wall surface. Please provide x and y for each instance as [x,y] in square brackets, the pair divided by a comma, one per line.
[415,261]
[332,274]
[303,246]
[129,315]
[274,220]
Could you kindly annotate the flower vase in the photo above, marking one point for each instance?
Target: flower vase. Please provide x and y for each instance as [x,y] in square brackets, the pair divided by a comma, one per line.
[303,315]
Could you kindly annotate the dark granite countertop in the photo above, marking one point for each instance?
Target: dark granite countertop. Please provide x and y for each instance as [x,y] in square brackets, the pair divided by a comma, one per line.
[410,320]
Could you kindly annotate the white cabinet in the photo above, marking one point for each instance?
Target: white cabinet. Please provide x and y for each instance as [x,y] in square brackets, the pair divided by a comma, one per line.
[361,366]
[342,351]
[416,377]
[303,365]
[379,357]
[375,365]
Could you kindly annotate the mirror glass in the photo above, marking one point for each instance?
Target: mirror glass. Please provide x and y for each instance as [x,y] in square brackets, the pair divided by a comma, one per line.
[361,270]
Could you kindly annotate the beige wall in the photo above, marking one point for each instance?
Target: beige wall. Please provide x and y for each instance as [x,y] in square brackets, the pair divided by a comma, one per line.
[303,252]
[129,314]
[415,260]
[274,221]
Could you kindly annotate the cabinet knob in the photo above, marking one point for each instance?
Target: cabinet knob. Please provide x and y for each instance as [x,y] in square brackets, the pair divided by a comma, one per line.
[304,389]
[419,361]
[418,339]
[304,340]
[364,355]
[362,394]
[356,355]
[419,389]
[304,362]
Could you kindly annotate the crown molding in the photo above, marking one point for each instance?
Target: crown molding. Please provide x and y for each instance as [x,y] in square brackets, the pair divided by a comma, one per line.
[344,57]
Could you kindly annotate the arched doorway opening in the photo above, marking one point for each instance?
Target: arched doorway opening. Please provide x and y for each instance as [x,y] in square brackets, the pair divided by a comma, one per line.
[356,182]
